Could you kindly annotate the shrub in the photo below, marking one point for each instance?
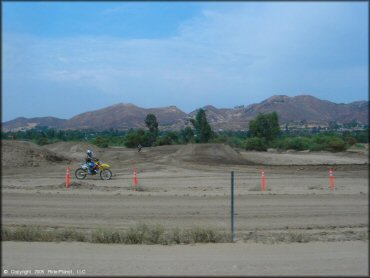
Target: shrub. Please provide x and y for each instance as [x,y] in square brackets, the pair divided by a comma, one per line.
[27,233]
[136,137]
[144,234]
[70,235]
[332,143]
[107,236]
[167,139]
[42,141]
[220,138]
[350,141]
[293,143]
[336,145]
[101,142]
[315,147]
[199,234]
[176,236]
[255,143]
[236,142]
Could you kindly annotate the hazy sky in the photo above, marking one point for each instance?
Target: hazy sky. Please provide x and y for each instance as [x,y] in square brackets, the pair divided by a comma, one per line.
[62,59]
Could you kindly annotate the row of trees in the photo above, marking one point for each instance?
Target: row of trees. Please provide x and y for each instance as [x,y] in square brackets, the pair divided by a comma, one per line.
[200,133]
[264,132]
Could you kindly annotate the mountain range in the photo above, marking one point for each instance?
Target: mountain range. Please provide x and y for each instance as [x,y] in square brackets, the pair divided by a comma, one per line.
[299,109]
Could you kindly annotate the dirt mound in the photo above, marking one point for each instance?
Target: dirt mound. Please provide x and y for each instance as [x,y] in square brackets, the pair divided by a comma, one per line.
[74,150]
[23,154]
[73,185]
[78,185]
[305,158]
[210,153]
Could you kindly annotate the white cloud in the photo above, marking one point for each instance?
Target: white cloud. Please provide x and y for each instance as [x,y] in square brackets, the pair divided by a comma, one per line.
[224,57]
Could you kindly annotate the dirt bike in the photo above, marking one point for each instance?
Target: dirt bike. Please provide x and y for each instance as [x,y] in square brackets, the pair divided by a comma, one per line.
[83,171]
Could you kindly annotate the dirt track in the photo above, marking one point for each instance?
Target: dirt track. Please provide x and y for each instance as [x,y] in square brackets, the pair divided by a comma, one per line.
[240,259]
[267,214]
[190,185]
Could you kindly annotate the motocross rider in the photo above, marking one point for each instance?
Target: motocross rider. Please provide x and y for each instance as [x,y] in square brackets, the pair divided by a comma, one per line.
[90,161]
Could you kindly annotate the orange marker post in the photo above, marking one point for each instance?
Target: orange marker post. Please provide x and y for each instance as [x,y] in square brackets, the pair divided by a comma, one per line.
[263,180]
[331,176]
[135,179]
[68,177]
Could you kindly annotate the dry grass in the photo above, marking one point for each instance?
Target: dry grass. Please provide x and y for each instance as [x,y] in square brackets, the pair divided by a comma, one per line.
[156,234]
[286,237]
[138,234]
[303,236]
[258,187]
[139,188]
[316,187]
[35,233]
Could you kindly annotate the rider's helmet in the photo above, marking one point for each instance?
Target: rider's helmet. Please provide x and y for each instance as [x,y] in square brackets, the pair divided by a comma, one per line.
[89,153]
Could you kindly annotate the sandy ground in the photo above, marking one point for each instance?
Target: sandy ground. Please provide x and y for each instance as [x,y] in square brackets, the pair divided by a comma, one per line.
[183,186]
[330,258]
[318,215]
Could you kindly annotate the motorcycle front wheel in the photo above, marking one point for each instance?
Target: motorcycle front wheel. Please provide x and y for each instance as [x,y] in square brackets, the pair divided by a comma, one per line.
[80,174]
[106,174]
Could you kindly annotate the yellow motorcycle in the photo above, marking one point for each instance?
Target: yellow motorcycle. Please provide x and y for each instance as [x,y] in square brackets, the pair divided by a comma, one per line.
[100,168]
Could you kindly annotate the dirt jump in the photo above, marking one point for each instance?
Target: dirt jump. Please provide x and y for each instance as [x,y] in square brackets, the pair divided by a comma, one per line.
[182,186]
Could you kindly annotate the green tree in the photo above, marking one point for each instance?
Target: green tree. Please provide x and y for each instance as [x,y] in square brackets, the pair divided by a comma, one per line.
[50,133]
[135,137]
[42,140]
[298,143]
[255,143]
[187,134]
[152,124]
[101,142]
[203,130]
[348,138]
[61,135]
[265,126]
[168,138]
[333,125]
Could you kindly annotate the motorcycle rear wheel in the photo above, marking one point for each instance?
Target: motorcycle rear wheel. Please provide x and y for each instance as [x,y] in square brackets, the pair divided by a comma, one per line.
[106,174]
[80,174]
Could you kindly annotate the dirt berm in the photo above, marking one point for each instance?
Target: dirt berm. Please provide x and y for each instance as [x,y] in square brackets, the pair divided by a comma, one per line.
[74,150]
[210,153]
[28,154]
[195,153]
[23,153]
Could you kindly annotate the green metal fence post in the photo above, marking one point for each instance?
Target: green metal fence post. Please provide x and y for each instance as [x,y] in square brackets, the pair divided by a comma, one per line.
[232,207]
